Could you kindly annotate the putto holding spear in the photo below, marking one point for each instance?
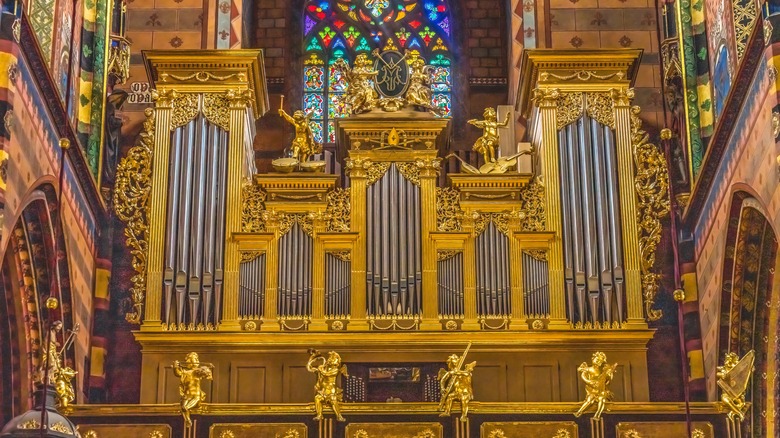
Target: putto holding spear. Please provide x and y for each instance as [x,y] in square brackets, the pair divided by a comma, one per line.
[455,384]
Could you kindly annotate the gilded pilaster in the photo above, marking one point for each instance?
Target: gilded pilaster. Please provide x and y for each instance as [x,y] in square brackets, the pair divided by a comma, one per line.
[238,102]
[546,101]
[628,206]
[429,171]
[318,274]
[470,321]
[157,209]
[271,273]
[518,315]
[358,184]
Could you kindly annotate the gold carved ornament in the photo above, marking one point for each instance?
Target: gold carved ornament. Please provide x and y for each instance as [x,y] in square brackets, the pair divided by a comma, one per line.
[216,109]
[600,107]
[338,211]
[448,212]
[253,201]
[533,215]
[446,254]
[651,184]
[287,220]
[365,168]
[498,433]
[248,256]
[131,205]
[597,376]
[569,108]
[190,373]
[501,220]
[427,433]
[344,256]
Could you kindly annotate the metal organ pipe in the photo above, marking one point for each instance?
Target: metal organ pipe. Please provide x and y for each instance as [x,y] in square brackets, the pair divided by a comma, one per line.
[252,288]
[591,224]
[394,273]
[193,260]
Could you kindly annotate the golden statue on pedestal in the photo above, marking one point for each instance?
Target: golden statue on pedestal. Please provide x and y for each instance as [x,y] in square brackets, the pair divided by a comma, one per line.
[303,146]
[419,92]
[190,373]
[597,378]
[455,384]
[327,391]
[53,372]
[361,95]
[733,378]
[487,145]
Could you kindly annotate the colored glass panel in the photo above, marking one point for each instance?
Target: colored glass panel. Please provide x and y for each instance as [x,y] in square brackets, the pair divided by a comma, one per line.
[316,129]
[440,75]
[331,132]
[442,102]
[313,78]
[336,106]
[336,80]
[313,103]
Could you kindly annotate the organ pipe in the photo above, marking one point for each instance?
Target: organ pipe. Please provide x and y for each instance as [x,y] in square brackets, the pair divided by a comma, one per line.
[193,257]
[593,266]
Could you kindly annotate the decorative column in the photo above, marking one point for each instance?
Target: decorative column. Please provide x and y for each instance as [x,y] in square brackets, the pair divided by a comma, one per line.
[628,206]
[429,172]
[271,274]
[546,100]
[517,319]
[318,275]
[357,168]
[470,321]
[157,209]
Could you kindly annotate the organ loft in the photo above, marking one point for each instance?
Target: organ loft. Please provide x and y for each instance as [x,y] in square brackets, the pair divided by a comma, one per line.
[375,280]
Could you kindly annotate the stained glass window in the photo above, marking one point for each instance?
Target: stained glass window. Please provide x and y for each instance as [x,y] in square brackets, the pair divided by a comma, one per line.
[336,29]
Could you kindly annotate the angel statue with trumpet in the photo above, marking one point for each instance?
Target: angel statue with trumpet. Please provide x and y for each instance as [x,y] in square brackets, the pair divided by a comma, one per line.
[327,391]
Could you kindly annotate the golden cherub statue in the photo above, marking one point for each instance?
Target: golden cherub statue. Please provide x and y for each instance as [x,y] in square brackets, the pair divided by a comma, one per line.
[597,378]
[455,384]
[733,378]
[327,393]
[419,92]
[487,145]
[53,372]
[190,373]
[303,145]
[361,95]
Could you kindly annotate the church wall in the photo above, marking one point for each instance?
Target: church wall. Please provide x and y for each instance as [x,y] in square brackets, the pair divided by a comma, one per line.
[749,164]
[34,154]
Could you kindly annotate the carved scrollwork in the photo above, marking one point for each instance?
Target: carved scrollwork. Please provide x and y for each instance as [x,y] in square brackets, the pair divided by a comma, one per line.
[131,205]
[448,212]
[651,184]
[501,220]
[253,201]
[569,108]
[344,256]
[532,198]
[410,171]
[376,171]
[248,256]
[287,220]
[216,109]
[185,107]
[601,108]
[545,97]
[338,211]
[446,254]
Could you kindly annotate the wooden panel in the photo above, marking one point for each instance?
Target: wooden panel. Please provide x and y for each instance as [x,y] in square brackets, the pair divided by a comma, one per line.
[561,429]
[298,385]
[657,429]
[168,388]
[540,383]
[267,430]
[247,383]
[125,431]
[489,383]
[394,430]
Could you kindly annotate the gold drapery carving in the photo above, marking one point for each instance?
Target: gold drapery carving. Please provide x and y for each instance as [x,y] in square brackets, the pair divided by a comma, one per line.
[446,254]
[363,167]
[652,189]
[448,212]
[569,107]
[216,109]
[185,107]
[344,256]
[375,171]
[600,107]
[532,198]
[500,220]
[248,256]
[338,211]
[131,205]
[410,171]
[287,220]
[253,199]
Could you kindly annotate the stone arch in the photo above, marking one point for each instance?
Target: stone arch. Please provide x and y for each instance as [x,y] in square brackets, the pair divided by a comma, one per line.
[747,319]
[34,268]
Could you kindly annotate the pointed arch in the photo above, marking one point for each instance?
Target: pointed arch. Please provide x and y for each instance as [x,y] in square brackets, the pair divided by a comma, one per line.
[334,29]
[749,305]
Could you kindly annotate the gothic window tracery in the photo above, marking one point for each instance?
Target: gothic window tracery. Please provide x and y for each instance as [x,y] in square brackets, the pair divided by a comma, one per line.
[336,29]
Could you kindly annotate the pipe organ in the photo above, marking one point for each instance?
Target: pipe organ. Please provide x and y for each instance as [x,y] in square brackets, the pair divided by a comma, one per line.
[394,246]
[590,210]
